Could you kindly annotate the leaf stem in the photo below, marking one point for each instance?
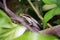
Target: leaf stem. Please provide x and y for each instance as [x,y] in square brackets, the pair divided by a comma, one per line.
[35,9]
[37,12]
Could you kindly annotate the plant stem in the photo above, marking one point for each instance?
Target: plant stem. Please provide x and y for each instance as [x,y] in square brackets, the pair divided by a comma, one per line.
[35,9]
[37,12]
[52,31]
[20,19]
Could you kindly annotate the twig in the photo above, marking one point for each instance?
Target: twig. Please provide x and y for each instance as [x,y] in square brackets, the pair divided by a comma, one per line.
[1,5]
[36,5]
[18,18]
[35,9]
[37,12]
[52,31]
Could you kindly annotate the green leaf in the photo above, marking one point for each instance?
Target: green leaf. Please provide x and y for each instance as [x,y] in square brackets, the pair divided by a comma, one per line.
[9,30]
[57,2]
[50,1]
[5,21]
[9,34]
[57,11]
[35,36]
[49,15]
[48,7]
[57,21]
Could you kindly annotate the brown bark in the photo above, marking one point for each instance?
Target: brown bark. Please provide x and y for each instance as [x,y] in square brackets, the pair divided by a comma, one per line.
[52,31]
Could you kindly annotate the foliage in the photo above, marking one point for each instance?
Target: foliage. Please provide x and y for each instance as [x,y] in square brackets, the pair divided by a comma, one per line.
[12,31]
[15,33]
[35,36]
[50,14]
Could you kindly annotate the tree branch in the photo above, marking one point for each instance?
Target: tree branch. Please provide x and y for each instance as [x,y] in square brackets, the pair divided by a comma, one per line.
[52,31]
[19,18]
